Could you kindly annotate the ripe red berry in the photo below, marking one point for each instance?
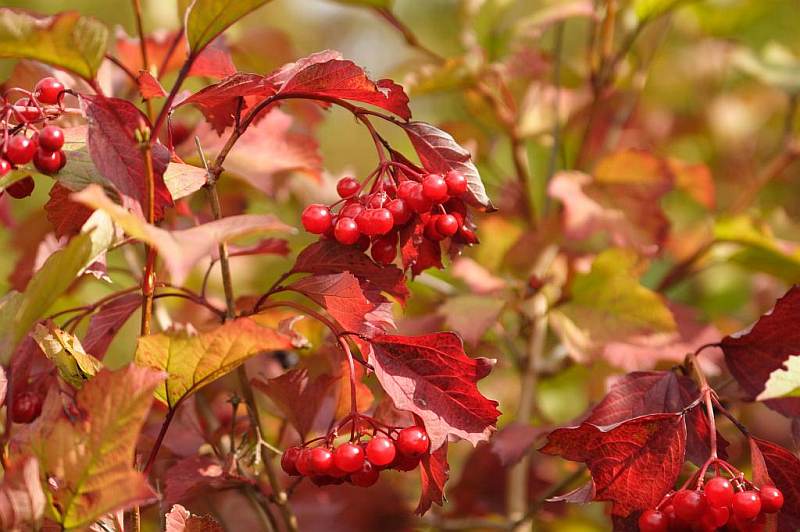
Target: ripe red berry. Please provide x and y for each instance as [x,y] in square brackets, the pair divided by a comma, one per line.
[346,231]
[400,211]
[381,451]
[51,138]
[653,521]
[719,492]
[746,504]
[715,517]
[363,243]
[303,462]
[771,499]
[348,187]
[431,229]
[384,250]
[413,441]
[375,221]
[289,461]
[417,200]
[29,114]
[47,162]
[366,476]
[447,225]
[27,407]
[321,460]
[351,209]
[690,505]
[376,200]
[406,188]
[467,235]
[456,183]
[22,188]
[20,149]
[316,218]
[48,90]
[5,167]
[434,188]
[349,457]
[404,462]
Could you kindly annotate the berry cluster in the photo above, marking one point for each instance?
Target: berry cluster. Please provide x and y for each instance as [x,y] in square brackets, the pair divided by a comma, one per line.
[357,462]
[375,219]
[27,139]
[719,503]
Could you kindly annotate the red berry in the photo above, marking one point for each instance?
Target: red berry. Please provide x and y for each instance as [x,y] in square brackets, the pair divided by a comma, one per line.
[347,187]
[716,517]
[746,504]
[47,162]
[467,235]
[351,209]
[349,457]
[27,407]
[346,231]
[719,492]
[404,462]
[30,114]
[363,243]
[321,460]
[431,229]
[51,138]
[22,188]
[413,441]
[381,451]
[771,499]
[418,202]
[289,461]
[690,505]
[376,201]
[5,167]
[406,188]
[456,183]
[375,221]
[20,149]
[303,462]
[384,250]
[316,218]
[400,211]
[366,476]
[434,188]
[447,225]
[48,90]
[653,521]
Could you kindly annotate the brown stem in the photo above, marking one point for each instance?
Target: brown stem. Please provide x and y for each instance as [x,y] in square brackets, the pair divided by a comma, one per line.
[172,47]
[137,10]
[159,440]
[149,276]
[116,62]
[409,36]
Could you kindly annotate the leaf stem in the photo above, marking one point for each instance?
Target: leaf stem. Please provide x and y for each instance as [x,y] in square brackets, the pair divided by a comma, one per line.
[159,439]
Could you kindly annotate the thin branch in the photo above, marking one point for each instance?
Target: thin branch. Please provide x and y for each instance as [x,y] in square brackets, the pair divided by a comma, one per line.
[137,10]
[116,62]
[409,36]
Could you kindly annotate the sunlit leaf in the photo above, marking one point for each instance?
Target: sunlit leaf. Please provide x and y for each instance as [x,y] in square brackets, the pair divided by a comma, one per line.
[206,19]
[65,350]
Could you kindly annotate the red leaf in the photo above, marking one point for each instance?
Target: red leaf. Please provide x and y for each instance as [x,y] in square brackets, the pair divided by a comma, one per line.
[327,257]
[419,253]
[633,463]
[289,70]
[107,321]
[439,152]
[180,520]
[266,246]
[753,354]
[199,474]
[158,45]
[784,470]
[432,377]
[213,62]
[149,86]
[434,472]
[299,396]
[342,296]
[346,80]
[67,216]
[116,154]
[656,392]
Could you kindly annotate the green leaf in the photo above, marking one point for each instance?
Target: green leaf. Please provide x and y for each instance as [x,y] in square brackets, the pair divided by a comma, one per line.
[194,360]
[648,9]
[206,19]
[88,459]
[783,382]
[66,40]
[74,364]
[760,251]
[776,66]
[21,311]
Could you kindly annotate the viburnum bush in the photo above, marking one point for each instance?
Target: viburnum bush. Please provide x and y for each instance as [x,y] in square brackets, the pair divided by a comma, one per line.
[204,330]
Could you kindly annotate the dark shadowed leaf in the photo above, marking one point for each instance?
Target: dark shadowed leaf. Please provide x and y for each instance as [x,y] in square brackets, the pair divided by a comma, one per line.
[434,472]
[513,442]
[65,215]
[107,321]
[784,471]
[198,474]
[179,519]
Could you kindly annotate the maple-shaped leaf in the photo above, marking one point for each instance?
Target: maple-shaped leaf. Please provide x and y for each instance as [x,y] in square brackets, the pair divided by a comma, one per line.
[633,463]
[22,501]
[439,152]
[298,395]
[783,468]
[179,519]
[347,81]
[65,350]
[434,472]
[66,216]
[432,377]
[192,361]
[182,249]
[149,87]
[88,459]
[198,474]
[754,354]
[117,155]
[329,257]
[655,392]
[107,321]
[342,296]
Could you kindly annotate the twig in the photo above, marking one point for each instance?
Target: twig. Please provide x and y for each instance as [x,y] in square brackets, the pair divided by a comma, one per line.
[409,36]
[116,62]
[137,10]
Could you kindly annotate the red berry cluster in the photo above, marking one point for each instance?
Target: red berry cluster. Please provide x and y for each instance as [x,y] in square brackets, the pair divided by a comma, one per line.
[357,462]
[375,219]
[719,503]
[25,141]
